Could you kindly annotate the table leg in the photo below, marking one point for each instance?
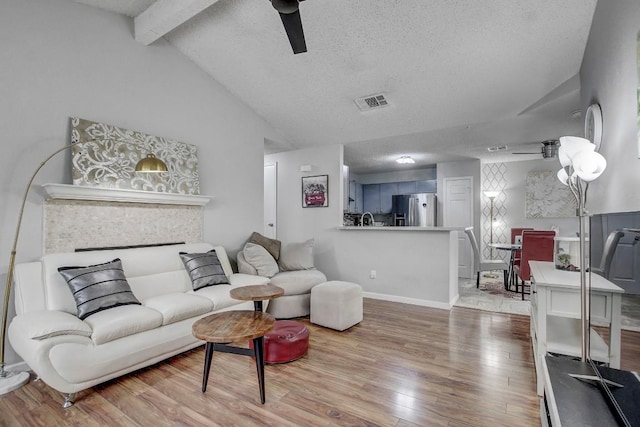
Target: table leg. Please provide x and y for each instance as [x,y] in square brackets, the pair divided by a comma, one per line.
[512,272]
[257,305]
[258,348]
[208,354]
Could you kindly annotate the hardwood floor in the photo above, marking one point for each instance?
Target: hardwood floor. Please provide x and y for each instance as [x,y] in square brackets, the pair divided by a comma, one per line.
[403,366]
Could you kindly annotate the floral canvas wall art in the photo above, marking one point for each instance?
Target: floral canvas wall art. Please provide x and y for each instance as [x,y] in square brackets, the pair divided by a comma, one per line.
[109,162]
[547,197]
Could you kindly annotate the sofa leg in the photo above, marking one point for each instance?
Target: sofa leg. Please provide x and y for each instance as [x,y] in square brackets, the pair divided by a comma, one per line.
[478,280]
[69,400]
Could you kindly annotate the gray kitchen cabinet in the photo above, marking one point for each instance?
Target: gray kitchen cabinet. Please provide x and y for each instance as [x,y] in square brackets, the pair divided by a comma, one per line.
[407,187]
[371,198]
[359,198]
[355,197]
[387,191]
[352,196]
[427,186]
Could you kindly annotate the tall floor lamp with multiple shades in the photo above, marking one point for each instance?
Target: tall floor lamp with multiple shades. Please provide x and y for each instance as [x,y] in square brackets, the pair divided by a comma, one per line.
[581,164]
[10,380]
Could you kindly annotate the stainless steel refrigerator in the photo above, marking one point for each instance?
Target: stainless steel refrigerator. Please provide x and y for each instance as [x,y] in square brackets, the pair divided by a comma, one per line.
[414,210]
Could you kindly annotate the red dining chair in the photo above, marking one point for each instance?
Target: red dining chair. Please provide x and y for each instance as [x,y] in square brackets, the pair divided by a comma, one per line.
[515,232]
[537,245]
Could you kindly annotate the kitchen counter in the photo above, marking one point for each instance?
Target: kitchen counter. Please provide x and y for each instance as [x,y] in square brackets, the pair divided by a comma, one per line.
[389,228]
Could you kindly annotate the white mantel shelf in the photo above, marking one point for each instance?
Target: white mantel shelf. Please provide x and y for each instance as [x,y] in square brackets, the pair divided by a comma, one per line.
[77,192]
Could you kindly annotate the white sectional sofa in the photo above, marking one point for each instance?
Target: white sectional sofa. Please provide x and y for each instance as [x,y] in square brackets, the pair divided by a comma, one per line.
[71,355]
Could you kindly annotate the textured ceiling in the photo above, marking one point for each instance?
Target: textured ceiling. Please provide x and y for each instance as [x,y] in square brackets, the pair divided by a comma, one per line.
[460,75]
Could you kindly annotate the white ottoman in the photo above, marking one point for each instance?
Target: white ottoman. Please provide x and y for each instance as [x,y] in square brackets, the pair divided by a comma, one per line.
[336,305]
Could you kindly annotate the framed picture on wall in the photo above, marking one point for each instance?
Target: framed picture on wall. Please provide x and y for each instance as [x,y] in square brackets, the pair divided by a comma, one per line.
[315,191]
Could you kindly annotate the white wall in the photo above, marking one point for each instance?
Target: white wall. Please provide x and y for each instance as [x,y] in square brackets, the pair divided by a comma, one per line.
[609,76]
[515,195]
[296,223]
[402,260]
[62,59]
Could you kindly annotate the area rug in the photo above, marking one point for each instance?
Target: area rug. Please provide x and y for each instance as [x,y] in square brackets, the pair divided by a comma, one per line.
[497,288]
[490,296]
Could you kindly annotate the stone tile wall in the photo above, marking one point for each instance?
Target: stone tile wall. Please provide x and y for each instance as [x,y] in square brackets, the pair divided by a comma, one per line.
[75,224]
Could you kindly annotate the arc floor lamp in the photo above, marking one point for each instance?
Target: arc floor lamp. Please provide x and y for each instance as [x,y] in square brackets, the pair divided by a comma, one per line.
[11,380]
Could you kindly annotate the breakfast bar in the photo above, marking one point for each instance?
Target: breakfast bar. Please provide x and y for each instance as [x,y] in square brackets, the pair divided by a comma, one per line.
[415,265]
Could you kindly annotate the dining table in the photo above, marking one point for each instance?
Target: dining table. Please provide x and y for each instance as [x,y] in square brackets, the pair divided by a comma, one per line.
[513,248]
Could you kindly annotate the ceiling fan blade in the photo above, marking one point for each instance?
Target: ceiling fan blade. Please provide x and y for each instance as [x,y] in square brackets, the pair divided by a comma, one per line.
[293,26]
[533,152]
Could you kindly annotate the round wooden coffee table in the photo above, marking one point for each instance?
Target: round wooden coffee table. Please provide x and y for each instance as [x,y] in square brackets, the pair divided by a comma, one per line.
[256,293]
[220,329]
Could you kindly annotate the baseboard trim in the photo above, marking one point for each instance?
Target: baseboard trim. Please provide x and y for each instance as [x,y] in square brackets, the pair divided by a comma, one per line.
[407,300]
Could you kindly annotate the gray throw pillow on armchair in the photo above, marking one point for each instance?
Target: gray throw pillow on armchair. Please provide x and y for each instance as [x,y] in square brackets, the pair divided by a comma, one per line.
[296,256]
[271,245]
[260,259]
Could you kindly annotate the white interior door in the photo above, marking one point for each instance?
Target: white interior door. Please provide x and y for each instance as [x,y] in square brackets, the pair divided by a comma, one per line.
[458,212]
[270,199]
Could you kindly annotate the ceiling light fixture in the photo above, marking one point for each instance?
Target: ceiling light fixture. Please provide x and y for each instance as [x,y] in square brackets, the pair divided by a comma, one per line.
[405,160]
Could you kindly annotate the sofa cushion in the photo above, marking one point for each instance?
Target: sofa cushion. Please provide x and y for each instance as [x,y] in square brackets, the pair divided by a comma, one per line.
[271,245]
[121,322]
[179,306]
[204,269]
[296,256]
[98,287]
[218,295]
[298,282]
[260,259]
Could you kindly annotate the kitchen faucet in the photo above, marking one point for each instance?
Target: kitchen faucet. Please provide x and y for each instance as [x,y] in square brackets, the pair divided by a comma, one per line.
[362,218]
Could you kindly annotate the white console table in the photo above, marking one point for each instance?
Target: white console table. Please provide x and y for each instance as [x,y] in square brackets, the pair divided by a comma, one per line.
[555,316]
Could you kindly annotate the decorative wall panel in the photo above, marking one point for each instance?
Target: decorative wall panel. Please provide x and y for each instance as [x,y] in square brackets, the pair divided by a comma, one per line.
[111,159]
[73,224]
[547,197]
[494,179]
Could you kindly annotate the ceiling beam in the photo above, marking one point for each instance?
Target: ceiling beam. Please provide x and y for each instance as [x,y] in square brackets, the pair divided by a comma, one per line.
[165,15]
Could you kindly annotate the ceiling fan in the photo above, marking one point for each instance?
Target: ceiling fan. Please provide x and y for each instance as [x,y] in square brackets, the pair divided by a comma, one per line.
[289,11]
[548,150]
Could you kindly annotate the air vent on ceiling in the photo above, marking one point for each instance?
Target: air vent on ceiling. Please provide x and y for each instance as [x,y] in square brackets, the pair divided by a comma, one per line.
[498,148]
[371,102]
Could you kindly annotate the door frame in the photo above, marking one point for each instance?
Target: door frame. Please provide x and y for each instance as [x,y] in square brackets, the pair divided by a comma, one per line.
[465,253]
[270,200]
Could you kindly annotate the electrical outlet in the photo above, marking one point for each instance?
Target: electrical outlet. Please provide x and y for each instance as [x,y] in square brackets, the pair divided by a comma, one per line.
[372,275]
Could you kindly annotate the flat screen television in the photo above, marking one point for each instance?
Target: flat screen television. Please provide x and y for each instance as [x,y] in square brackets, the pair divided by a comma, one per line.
[625,272]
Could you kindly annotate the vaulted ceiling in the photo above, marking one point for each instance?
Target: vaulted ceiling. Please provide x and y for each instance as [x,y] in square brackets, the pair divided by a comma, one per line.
[459,75]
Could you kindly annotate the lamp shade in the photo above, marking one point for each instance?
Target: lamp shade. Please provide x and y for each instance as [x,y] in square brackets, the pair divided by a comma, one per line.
[589,165]
[491,194]
[151,164]
[570,146]
[563,177]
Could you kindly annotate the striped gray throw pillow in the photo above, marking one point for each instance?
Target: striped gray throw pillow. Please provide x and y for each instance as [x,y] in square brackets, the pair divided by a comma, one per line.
[98,287]
[204,269]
